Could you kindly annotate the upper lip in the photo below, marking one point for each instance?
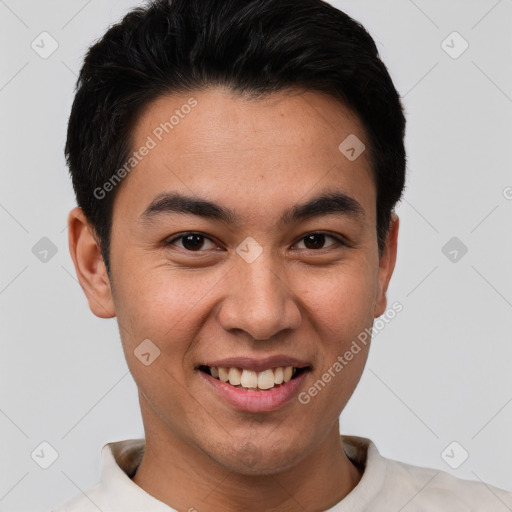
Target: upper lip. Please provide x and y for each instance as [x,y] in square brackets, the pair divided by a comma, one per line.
[257,365]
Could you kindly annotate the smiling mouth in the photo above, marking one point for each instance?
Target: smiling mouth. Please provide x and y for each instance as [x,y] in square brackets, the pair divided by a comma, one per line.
[242,378]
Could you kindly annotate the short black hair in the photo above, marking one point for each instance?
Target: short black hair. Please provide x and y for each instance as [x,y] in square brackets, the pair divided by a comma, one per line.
[251,46]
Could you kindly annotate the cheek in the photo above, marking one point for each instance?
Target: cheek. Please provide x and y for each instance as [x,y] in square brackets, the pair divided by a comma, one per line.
[162,307]
[341,309]
[342,301]
[162,318]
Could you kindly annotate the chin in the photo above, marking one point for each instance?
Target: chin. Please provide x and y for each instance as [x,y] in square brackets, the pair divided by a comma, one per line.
[253,458]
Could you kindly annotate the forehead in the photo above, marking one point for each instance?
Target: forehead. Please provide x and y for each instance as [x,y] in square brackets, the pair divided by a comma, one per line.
[225,146]
[220,116]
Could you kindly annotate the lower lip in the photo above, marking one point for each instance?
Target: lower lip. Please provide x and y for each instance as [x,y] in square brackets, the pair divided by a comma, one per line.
[255,401]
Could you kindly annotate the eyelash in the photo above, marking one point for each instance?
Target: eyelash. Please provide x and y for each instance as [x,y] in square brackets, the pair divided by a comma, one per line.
[338,241]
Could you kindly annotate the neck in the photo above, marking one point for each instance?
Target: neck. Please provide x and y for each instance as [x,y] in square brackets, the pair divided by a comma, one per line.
[184,477]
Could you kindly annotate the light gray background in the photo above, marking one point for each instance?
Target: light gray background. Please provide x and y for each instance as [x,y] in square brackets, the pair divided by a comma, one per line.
[438,373]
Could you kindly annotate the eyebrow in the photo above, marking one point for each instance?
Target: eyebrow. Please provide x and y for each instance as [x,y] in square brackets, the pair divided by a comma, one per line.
[330,203]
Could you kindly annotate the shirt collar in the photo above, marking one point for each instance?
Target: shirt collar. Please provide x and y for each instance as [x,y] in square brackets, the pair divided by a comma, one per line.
[364,454]
[120,459]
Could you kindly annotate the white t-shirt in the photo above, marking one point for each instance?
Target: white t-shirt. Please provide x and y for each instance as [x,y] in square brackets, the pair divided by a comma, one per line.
[386,486]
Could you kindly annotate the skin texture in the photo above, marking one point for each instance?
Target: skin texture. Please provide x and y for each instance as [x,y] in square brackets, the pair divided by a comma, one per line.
[257,157]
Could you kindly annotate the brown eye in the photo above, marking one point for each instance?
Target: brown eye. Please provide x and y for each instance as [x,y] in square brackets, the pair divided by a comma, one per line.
[317,241]
[192,242]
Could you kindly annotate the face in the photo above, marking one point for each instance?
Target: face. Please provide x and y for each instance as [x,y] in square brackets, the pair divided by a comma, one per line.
[262,255]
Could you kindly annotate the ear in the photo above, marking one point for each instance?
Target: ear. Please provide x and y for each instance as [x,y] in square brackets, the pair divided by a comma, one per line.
[387,265]
[89,265]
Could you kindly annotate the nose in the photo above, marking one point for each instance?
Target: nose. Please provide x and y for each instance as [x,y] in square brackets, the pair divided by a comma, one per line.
[260,300]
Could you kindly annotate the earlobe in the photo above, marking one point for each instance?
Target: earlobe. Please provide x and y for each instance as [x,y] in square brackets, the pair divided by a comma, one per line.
[386,265]
[89,266]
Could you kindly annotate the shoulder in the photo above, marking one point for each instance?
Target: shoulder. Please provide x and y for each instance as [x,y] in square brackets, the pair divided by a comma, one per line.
[422,489]
[388,485]
[88,501]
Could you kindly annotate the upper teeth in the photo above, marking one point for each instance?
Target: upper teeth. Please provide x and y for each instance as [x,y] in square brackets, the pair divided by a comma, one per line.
[251,379]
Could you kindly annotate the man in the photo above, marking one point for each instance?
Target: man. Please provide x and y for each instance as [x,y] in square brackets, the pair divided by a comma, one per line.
[236,165]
